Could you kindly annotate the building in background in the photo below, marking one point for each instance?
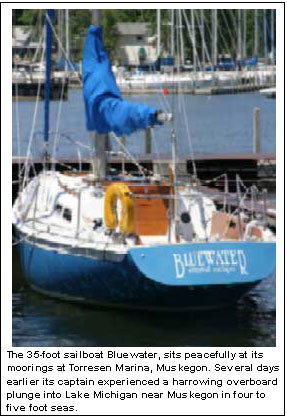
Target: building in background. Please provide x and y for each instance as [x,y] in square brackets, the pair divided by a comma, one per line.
[136,45]
[24,44]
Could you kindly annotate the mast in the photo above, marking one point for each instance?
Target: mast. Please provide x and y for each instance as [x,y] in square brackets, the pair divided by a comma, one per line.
[214,37]
[67,43]
[100,141]
[172,33]
[244,32]
[239,37]
[256,32]
[60,32]
[272,37]
[202,37]
[181,36]
[158,33]
[265,36]
[193,40]
[49,16]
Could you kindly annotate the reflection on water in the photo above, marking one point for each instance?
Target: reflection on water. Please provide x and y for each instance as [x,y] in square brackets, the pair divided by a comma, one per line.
[40,321]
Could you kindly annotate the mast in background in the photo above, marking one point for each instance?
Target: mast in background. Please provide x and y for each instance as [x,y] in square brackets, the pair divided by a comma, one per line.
[60,32]
[49,16]
[272,37]
[181,37]
[172,33]
[202,37]
[239,36]
[193,40]
[256,32]
[158,33]
[244,33]
[67,43]
[265,37]
[214,37]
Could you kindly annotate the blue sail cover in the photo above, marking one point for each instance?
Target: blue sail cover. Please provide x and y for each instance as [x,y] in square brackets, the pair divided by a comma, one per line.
[106,111]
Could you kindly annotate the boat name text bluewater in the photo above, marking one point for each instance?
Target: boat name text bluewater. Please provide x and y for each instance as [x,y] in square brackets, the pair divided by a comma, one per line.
[224,261]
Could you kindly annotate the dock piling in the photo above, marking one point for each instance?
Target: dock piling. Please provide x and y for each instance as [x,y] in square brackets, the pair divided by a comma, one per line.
[148,141]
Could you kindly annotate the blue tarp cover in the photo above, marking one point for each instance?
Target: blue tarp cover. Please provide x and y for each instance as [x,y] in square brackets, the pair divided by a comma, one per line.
[106,111]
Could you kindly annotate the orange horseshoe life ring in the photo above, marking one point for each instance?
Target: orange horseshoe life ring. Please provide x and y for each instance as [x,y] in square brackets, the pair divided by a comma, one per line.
[114,192]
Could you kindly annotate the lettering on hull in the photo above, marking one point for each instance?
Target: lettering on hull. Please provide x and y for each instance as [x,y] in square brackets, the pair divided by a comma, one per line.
[210,261]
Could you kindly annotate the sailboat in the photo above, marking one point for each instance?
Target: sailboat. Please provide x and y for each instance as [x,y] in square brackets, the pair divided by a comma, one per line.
[132,241]
[270,93]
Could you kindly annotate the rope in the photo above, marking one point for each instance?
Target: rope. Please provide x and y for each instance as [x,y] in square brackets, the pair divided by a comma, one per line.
[234,212]
[125,150]
[189,136]
[34,59]
[57,125]
[204,46]
[33,127]
[18,129]
[157,152]
[232,38]
[78,144]
[191,39]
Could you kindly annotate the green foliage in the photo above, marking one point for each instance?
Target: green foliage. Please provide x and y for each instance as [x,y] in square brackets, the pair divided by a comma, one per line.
[109,21]
[27,17]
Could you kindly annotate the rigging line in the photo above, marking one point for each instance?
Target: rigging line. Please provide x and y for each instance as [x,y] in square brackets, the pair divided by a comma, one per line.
[119,142]
[229,31]
[224,42]
[188,135]
[235,24]
[154,141]
[180,101]
[63,51]
[159,93]
[204,46]
[18,131]
[178,65]
[56,137]
[28,155]
[78,143]
[191,39]
[163,99]
[38,47]
[208,29]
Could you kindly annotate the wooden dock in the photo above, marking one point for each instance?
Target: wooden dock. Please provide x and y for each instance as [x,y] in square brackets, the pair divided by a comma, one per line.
[208,166]
[250,167]
[180,159]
